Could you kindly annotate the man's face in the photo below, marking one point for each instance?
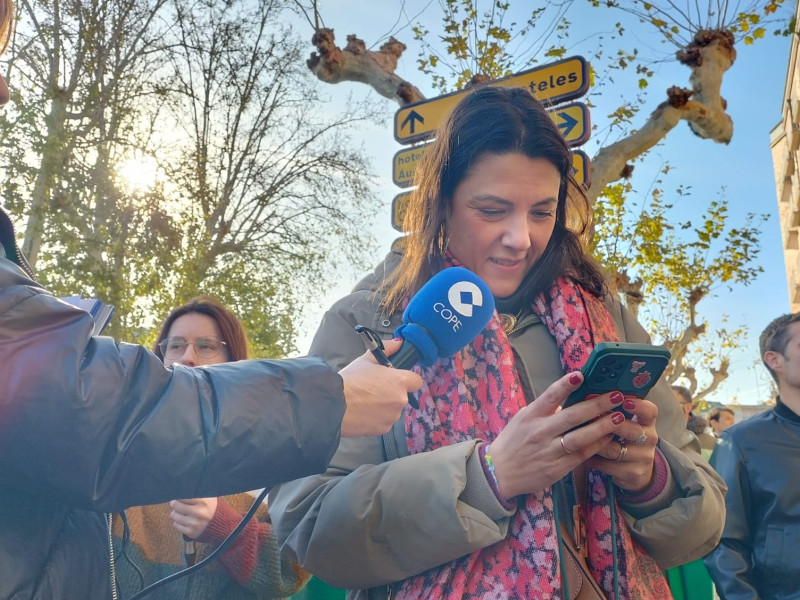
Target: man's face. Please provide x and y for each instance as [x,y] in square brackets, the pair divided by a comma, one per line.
[725,420]
[685,404]
[786,364]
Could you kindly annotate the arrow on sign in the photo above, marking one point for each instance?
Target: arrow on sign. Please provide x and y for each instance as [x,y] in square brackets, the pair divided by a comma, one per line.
[412,116]
[568,125]
[556,82]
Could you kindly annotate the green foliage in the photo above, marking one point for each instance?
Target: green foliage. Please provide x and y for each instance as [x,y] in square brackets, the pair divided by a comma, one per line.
[474,42]
[674,266]
[679,25]
[480,38]
[258,186]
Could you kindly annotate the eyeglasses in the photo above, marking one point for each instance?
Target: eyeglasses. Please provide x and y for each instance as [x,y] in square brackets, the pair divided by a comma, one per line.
[205,347]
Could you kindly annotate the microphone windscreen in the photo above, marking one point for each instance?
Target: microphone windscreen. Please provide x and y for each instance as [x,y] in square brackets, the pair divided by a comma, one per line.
[453,307]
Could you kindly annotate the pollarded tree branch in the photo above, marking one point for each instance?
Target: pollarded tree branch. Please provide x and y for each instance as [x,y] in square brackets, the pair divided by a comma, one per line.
[717,377]
[355,63]
[709,56]
[680,347]
[620,283]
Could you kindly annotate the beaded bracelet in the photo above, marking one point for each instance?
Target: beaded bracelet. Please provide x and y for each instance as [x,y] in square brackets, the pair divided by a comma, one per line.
[490,465]
[488,469]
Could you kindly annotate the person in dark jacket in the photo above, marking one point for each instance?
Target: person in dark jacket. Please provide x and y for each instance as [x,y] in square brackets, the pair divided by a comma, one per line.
[759,459]
[89,426]
[720,418]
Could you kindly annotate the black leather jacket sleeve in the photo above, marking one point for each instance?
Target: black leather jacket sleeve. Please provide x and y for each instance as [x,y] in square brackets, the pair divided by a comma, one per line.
[103,426]
[730,563]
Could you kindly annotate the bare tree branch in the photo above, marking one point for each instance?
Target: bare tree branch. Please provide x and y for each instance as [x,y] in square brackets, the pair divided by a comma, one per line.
[356,63]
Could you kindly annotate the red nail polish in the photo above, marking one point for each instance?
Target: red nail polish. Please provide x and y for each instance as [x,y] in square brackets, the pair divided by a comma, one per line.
[617,397]
[574,379]
[617,418]
[629,404]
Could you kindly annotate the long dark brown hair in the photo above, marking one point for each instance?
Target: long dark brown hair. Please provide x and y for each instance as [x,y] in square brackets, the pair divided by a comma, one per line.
[494,120]
[230,327]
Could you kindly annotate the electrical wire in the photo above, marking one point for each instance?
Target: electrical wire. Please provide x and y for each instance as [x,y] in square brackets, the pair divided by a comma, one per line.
[126,538]
[221,548]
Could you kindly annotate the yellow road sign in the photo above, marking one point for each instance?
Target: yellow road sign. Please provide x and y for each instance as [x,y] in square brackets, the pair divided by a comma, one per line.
[399,207]
[556,82]
[580,162]
[404,164]
[582,166]
[572,120]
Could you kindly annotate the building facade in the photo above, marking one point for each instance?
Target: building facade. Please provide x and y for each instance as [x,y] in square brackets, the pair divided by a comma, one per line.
[785,146]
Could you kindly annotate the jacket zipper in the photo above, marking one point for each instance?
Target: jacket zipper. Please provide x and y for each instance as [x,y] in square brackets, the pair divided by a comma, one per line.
[21,262]
[113,570]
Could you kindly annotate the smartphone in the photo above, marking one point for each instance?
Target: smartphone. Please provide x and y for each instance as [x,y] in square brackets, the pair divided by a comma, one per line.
[623,366]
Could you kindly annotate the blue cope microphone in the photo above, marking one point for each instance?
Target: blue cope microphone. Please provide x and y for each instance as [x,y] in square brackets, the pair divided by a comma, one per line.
[443,317]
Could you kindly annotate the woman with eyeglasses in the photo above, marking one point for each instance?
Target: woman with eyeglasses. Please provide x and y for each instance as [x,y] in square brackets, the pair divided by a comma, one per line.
[89,426]
[166,538]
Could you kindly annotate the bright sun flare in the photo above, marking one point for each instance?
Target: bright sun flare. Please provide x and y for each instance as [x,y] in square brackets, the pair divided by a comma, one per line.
[139,174]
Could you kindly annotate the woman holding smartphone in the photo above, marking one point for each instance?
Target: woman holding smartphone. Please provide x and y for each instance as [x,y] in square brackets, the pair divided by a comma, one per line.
[480,492]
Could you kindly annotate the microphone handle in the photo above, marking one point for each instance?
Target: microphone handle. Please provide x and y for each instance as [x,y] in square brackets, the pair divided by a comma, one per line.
[406,357]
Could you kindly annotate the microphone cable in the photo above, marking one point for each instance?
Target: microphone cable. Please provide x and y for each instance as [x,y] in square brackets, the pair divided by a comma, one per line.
[221,548]
[123,552]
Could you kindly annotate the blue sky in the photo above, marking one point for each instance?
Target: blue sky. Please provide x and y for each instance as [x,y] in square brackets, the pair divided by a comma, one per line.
[754,90]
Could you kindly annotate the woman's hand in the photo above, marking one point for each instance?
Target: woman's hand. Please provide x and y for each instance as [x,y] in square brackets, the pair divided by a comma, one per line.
[542,443]
[191,517]
[629,458]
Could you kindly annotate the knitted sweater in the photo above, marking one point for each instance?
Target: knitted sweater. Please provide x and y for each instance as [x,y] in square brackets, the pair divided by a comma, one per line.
[251,568]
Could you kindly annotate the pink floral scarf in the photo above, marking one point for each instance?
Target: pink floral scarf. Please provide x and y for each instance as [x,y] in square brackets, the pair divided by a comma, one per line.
[474,394]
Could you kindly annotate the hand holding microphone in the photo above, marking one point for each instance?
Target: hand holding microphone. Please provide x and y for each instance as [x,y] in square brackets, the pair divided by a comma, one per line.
[453,307]
[375,395]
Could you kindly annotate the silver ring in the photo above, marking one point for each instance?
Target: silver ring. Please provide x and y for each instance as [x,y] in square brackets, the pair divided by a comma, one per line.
[642,438]
[623,450]
[564,446]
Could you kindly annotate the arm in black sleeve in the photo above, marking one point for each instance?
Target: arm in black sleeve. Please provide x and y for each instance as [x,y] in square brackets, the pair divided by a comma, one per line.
[106,426]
